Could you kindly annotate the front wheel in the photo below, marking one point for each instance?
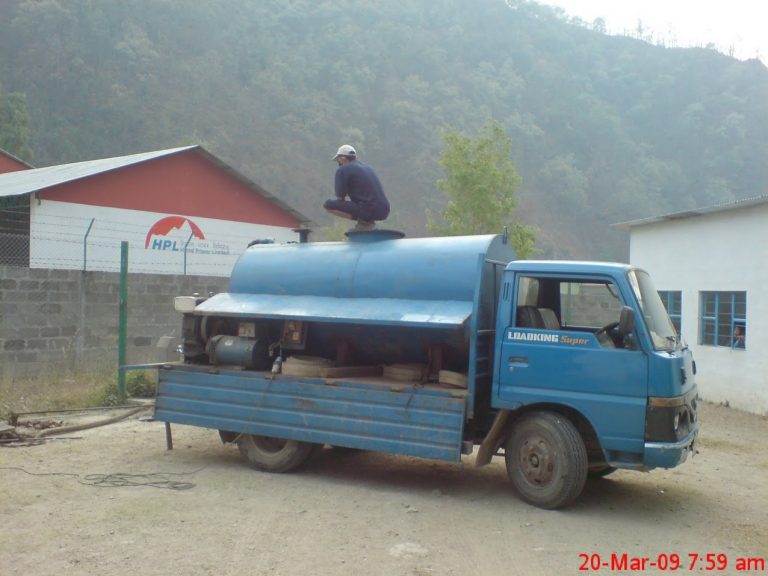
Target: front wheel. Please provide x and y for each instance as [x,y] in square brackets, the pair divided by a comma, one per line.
[274,454]
[546,460]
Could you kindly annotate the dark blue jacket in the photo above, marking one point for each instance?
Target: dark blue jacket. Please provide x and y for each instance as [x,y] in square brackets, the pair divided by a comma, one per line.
[359,182]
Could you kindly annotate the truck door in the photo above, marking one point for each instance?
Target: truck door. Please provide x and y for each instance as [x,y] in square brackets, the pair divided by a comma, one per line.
[561,346]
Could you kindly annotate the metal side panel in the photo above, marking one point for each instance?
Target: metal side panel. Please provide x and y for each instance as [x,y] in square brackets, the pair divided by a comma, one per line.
[368,311]
[402,420]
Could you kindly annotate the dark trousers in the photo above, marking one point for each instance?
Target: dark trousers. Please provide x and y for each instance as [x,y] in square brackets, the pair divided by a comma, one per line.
[358,211]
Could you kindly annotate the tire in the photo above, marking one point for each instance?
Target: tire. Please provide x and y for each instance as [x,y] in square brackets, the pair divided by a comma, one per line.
[546,460]
[411,372]
[450,378]
[600,471]
[274,454]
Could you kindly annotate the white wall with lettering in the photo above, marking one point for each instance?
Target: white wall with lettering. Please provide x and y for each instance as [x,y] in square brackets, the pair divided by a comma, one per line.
[72,236]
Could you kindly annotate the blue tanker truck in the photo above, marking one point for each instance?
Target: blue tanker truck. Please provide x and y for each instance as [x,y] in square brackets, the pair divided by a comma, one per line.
[431,347]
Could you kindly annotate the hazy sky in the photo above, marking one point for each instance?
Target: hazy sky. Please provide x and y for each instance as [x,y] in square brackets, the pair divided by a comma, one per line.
[738,24]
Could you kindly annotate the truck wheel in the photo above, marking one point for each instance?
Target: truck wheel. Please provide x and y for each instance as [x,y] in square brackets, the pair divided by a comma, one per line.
[546,460]
[274,454]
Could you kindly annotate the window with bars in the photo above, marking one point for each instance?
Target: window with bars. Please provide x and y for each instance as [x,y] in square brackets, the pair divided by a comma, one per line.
[723,319]
[672,300]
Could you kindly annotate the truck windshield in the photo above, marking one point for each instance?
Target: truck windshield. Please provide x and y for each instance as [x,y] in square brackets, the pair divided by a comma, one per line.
[655,315]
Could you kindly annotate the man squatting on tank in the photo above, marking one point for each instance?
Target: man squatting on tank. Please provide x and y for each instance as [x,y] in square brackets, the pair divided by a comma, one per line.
[358,182]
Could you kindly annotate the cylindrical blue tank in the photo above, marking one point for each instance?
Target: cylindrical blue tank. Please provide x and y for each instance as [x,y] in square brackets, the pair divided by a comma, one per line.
[372,265]
[376,271]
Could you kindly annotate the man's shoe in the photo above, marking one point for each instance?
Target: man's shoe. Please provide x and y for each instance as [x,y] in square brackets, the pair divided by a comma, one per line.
[364,226]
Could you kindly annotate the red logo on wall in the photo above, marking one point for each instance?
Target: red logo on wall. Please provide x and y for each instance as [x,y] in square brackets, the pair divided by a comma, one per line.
[165,227]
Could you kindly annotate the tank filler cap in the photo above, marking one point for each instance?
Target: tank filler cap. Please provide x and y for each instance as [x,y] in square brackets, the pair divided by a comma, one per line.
[375,235]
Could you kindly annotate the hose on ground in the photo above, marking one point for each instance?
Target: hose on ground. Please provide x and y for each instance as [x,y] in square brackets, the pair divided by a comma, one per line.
[77,427]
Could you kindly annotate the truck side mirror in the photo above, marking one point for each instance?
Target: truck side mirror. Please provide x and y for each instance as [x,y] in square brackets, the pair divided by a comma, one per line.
[626,321]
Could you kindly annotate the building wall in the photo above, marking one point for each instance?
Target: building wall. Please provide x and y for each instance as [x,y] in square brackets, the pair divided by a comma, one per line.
[8,164]
[183,183]
[721,251]
[66,235]
[60,324]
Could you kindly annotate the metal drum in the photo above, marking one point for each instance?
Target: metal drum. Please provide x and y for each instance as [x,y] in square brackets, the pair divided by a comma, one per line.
[245,352]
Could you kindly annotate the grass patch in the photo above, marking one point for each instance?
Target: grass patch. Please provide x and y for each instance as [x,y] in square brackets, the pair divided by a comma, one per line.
[19,395]
[138,384]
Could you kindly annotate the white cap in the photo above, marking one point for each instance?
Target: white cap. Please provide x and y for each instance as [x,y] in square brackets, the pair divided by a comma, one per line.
[345,150]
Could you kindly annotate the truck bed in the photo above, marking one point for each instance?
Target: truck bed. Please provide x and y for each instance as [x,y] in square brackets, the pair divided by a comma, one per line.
[370,413]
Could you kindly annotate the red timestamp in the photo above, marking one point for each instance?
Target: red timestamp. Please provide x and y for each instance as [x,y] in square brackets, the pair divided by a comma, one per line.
[672,562]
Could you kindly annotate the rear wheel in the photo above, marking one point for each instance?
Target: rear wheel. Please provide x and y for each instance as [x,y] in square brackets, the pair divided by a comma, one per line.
[274,454]
[546,460]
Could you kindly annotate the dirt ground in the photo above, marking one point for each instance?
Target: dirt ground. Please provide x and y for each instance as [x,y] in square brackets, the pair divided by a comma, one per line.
[364,513]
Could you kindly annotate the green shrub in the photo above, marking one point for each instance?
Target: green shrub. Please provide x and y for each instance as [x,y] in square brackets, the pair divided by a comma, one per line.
[137,385]
[141,384]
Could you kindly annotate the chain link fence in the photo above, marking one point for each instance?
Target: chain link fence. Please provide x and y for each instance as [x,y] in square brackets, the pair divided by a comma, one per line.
[14,249]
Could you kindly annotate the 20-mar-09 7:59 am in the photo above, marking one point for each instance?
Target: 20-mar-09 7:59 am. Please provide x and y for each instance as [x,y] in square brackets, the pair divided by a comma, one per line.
[672,562]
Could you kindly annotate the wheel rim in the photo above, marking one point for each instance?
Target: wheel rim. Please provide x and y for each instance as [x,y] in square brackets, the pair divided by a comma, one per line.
[537,461]
[267,444]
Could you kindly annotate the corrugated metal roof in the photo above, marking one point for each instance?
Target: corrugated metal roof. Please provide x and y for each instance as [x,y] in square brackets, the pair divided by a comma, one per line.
[29,181]
[736,204]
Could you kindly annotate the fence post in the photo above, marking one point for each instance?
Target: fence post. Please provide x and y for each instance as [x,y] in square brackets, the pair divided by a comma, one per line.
[85,244]
[185,251]
[122,324]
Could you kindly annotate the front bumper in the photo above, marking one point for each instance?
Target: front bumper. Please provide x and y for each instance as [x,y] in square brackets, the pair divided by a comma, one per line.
[670,454]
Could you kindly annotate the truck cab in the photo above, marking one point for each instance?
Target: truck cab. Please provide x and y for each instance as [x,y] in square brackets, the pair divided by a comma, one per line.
[590,347]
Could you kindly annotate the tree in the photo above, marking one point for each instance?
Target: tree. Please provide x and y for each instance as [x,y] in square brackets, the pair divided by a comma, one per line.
[14,124]
[481,181]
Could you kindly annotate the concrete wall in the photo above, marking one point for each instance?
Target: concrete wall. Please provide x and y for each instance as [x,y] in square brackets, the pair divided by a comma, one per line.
[63,323]
[720,251]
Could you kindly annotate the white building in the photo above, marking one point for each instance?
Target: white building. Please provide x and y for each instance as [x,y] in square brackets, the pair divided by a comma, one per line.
[711,268]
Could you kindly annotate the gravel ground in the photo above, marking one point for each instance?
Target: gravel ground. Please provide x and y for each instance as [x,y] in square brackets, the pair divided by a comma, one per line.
[354,513]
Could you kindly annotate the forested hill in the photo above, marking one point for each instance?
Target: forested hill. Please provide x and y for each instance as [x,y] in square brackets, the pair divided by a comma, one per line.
[605,129]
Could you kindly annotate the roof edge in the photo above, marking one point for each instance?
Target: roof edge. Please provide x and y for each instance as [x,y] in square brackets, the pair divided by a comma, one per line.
[15,158]
[303,220]
[683,214]
[120,162]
